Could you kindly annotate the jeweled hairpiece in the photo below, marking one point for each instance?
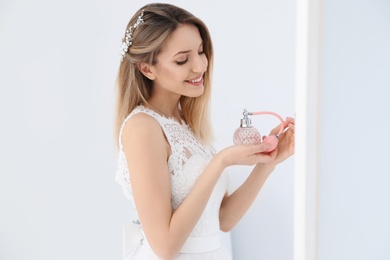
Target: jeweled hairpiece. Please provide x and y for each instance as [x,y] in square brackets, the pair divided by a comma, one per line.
[128,41]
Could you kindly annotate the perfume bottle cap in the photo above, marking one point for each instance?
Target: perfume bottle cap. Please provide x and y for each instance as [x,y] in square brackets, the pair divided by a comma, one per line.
[245,122]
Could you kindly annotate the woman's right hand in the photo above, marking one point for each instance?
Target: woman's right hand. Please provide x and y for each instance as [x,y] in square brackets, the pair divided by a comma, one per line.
[246,155]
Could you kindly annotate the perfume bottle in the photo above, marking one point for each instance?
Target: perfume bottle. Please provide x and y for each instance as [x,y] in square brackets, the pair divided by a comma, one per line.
[247,134]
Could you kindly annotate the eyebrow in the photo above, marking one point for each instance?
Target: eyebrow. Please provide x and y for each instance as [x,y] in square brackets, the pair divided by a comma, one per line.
[184,52]
[181,52]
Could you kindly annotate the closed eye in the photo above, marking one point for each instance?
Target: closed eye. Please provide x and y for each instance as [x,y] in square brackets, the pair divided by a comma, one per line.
[182,62]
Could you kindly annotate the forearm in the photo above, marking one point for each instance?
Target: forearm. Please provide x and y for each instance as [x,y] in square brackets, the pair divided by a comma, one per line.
[185,217]
[235,206]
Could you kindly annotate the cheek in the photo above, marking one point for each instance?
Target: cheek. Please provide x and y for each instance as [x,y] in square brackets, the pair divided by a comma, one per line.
[168,73]
[205,61]
[174,75]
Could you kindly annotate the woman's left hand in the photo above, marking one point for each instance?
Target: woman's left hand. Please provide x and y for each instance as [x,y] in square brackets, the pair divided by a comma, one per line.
[286,142]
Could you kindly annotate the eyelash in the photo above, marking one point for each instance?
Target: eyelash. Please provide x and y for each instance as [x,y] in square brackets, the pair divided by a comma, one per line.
[185,61]
[181,62]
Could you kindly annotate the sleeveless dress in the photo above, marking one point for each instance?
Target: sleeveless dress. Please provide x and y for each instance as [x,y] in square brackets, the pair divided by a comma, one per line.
[186,163]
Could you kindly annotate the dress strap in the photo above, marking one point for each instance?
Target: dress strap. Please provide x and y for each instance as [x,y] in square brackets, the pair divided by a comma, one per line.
[121,130]
[163,121]
[136,110]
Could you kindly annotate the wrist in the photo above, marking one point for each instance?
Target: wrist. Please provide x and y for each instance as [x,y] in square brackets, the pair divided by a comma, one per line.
[267,168]
[220,161]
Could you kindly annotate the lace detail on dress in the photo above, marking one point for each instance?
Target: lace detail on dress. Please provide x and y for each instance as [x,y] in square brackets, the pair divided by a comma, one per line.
[185,164]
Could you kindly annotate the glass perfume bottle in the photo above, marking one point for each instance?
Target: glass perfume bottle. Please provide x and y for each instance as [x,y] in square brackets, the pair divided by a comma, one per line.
[247,134]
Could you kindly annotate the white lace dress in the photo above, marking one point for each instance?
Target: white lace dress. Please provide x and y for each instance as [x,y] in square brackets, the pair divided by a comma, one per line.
[187,161]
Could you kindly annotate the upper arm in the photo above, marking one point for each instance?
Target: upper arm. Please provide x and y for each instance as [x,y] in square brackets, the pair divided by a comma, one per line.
[146,153]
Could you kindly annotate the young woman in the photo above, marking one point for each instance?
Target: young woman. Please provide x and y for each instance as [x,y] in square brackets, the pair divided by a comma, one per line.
[167,167]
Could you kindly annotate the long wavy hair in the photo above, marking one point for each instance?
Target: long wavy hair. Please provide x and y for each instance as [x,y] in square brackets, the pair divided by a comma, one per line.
[133,88]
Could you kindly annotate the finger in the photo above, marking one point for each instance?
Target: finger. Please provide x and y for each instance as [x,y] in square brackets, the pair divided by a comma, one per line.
[259,148]
[286,134]
[282,136]
[290,141]
[265,158]
[290,120]
[274,153]
[288,123]
[276,130]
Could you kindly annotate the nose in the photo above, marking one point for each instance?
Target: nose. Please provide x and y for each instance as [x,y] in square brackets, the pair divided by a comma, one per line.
[200,64]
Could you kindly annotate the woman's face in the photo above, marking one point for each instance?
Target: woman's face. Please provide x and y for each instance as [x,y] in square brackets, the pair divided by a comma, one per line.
[181,64]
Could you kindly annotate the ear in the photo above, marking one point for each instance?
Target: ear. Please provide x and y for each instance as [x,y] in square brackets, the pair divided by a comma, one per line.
[147,70]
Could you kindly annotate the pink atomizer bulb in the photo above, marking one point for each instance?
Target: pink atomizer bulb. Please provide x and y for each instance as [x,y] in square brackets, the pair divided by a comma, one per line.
[246,133]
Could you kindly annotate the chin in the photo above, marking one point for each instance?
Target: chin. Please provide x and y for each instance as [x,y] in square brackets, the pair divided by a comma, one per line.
[197,93]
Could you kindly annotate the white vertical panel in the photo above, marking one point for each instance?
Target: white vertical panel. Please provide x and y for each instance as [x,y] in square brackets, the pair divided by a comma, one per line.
[308,78]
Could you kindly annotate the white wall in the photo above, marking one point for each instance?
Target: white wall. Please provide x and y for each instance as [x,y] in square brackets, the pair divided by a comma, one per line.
[254,69]
[355,176]
[58,198]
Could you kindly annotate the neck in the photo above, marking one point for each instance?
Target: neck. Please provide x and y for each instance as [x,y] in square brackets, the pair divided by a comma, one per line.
[165,110]
[165,103]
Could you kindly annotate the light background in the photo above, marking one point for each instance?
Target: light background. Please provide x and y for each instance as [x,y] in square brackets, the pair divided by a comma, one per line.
[58,198]
[354,208]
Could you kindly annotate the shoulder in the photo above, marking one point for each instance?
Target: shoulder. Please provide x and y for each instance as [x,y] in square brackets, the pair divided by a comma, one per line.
[141,125]
[143,140]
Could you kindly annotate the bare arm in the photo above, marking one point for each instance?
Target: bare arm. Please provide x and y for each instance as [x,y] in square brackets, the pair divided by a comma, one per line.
[146,153]
[235,206]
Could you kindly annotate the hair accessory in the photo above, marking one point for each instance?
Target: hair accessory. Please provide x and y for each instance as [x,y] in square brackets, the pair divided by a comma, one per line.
[246,134]
[129,35]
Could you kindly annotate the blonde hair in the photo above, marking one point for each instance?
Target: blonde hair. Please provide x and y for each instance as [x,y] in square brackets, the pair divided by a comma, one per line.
[133,88]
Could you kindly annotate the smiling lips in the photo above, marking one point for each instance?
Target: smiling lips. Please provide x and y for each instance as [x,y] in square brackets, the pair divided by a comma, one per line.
[196,82]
